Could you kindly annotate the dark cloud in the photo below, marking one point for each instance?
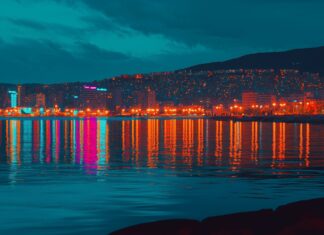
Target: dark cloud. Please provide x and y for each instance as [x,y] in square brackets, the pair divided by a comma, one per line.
[28,23]
[31,61]
[105,38]
[223,23]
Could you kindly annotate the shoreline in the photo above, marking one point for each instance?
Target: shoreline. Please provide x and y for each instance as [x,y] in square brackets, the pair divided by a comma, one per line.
[303,217]
[311,119]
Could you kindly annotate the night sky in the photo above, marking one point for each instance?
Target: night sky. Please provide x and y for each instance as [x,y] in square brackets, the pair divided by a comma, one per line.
[84,40]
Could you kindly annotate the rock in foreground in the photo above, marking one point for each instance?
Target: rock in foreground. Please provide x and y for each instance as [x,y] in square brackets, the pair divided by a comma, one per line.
[305,217]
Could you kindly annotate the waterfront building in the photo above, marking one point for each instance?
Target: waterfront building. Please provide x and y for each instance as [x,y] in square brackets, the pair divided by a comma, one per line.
[19,95]
[151,98]
[265,99]
[13,98]
[93,97]
[218,110]
[249,99]
[116,100]
[40,101]
[145,99]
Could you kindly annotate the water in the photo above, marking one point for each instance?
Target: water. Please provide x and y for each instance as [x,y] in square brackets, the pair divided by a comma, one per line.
[92,176]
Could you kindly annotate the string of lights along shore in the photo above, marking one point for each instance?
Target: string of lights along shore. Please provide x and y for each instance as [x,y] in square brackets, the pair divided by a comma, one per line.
[252,92]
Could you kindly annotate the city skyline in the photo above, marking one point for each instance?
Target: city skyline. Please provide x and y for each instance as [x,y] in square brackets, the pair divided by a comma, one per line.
[99,39]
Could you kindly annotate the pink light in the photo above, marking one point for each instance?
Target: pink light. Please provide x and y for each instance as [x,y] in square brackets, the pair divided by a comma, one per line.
[90,87]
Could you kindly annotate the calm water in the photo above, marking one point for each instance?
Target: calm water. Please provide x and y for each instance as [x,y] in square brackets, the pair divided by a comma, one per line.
[64,176]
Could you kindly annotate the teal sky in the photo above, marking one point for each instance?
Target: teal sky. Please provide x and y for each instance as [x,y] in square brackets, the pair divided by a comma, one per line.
[68,40]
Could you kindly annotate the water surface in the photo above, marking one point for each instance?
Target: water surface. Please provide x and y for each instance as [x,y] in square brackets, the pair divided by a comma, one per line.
[92,176]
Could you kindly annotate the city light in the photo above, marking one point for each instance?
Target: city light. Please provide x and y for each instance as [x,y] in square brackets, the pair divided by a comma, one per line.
[112,99]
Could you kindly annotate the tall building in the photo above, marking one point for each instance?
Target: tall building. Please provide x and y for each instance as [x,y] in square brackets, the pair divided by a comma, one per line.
[19,95]
[139,99]
[266,99]
[249,98]
[146,99]
[116,100]
[151,98]
[40,100]
[93,97]
[13,98]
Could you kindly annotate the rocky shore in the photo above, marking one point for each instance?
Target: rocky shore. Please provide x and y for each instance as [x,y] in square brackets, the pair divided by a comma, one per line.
[304,217]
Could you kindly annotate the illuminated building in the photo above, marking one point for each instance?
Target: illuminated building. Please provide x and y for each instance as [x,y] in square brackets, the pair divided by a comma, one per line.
[19,95]
[218,110]
[151,98]
[249,99]
[265,99]
[40,100]
[93,97]
[13,98]
[146,99]
[116,100]
[294,97]
[139,99]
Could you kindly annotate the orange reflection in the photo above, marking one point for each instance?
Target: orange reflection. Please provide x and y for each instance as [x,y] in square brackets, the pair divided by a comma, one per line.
[126,140]
[86,141]
[13,146]
[152,142]
[187,140]
[279,154]
[254,141]
[307,148]
[170,138]
[274,143]
[135,139]
[219,139]
[282,141]
[301,142]
[235,147]
[200,141]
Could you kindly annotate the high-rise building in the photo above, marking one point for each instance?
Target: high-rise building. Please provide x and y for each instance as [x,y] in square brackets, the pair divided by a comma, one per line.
[266,99]
[19,95]
[151,98]
[40,100]
[13,98]
[116,100]
[146,99]
[93,97]
[139,99]
[249,98]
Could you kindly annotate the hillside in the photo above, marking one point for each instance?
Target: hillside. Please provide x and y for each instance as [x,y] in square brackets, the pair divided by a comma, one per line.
[305,60]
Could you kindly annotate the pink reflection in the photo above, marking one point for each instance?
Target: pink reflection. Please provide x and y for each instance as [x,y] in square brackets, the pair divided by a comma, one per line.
[48,140]
[77,142]
[57,139]
[90,157]
[35,143]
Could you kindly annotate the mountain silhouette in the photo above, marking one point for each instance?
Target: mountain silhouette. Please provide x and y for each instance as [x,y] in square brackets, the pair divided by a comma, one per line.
[305,60]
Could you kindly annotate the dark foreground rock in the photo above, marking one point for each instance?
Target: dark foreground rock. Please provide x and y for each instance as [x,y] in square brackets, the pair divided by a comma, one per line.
[170,227]
[305,217]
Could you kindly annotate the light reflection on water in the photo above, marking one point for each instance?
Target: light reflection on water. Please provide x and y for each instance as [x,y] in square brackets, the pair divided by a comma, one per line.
[75,176]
